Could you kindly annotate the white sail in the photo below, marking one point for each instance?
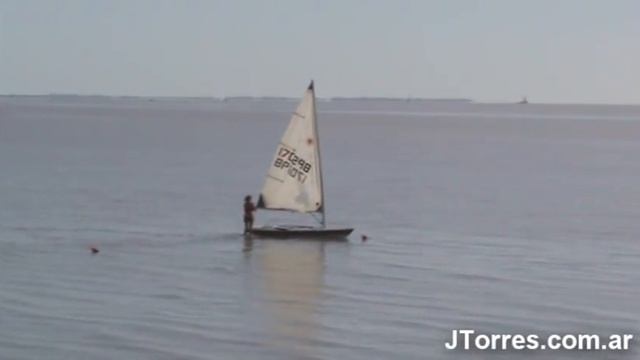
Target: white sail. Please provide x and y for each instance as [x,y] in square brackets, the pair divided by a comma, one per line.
[294,180]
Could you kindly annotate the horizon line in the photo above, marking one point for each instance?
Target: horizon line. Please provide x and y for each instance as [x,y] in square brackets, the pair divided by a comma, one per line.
[339,98]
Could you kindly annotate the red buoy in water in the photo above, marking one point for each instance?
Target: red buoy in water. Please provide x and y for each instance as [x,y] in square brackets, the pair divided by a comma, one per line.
[364,237]
[94,250]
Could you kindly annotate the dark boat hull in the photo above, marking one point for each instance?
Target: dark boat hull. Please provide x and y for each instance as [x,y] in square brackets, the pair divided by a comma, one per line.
[301,232]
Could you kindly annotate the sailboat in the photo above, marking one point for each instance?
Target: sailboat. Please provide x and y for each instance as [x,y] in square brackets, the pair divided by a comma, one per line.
[294,180]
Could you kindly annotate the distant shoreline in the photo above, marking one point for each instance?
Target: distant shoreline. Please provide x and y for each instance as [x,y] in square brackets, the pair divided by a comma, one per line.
[238,98]
[337,99]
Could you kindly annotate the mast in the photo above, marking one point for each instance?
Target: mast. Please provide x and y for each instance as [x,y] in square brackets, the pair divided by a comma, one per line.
[323,220]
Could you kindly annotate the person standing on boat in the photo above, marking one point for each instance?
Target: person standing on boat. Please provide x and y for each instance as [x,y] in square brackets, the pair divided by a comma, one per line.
[249,209]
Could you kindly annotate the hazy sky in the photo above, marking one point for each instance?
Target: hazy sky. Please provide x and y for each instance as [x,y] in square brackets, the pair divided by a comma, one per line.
[491,50]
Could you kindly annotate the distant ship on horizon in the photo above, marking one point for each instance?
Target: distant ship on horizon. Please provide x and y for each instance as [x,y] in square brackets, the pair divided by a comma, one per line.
[523,101]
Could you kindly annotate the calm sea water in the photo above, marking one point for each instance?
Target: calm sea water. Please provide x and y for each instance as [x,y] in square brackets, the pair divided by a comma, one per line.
[499,218]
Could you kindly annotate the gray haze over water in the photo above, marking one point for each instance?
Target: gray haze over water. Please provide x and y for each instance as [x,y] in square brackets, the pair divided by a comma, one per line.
[500,218]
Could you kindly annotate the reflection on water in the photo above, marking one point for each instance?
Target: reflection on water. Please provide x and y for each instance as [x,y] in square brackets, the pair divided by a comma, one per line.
[248,244]
[290,276]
